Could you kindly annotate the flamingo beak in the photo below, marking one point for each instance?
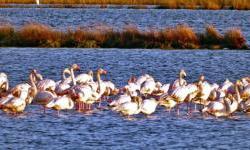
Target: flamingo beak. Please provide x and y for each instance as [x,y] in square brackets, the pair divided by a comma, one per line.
[105,72]
[78,67]
[184,74]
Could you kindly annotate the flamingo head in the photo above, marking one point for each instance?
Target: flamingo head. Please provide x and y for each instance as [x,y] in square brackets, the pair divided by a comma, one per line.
[75,67]
[137,99]
[91,73]
[132,79]
[36,75]
[16,91]
[238,83]
[158,84]
[182,73]
[202,78]
[115,91]
[102,71]
[124,89]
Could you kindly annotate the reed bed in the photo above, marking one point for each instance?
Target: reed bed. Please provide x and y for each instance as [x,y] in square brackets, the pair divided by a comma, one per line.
[179,37]
[170,4]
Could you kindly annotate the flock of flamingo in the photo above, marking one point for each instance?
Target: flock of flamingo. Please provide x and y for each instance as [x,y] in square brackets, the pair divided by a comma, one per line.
[140,95]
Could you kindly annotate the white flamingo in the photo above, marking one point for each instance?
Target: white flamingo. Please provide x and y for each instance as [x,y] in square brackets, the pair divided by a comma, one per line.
[84,78]
[142,79]
[148,106]
[37,2]
[44,84]
[61,103]
[181,81]
[126,97]
[4,83]
[245,94]
[205,91]
[64,84]
[41,97]
[17,100]
[148,86]
[227,106]
[83,93]
[131,108]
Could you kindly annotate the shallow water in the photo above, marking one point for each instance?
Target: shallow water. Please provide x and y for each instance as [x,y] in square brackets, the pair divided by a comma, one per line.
[118,18]
[108,130]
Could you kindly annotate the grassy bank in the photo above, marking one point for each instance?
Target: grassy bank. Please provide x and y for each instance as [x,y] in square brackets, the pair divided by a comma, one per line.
[171,4]
[179,37]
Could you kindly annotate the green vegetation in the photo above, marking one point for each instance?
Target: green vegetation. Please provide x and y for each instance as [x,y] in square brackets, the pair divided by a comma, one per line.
[171,4]
[179,37]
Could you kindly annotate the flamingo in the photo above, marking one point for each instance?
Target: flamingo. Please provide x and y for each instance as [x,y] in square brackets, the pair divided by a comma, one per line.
[179,95]
[246,92]
[181,81]
[148,106]
[14,104]
[131,108]
[37,2]
[167,101]
[61,103]
[40,97]
[142,79]
[16,100]
[44,84]
[83,93]
[205,89]
[148,86]
[220,109]
[4,83]
[227,87]
[64,84]
[225,106]
[111,90]
[84,78]
[126,97]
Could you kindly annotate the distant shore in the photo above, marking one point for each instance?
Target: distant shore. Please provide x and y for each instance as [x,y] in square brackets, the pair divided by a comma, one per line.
[179,37]
[136,4]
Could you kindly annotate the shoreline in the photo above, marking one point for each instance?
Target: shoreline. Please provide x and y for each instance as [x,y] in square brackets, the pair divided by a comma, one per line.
[146,4]
[112,6]
[130,37]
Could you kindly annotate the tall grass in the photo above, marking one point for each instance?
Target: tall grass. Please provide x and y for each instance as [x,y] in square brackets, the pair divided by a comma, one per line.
[179,37]
[189,4]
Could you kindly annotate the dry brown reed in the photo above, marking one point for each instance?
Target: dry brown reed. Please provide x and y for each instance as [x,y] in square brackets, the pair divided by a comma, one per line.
[179,37]
[172,4]
[234,39]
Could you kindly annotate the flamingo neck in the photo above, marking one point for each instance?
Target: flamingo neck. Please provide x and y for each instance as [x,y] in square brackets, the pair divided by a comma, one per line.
[72,76]
[238,98]
[33,85]
[90,73]
[65,71]
[98,77]
[180,80]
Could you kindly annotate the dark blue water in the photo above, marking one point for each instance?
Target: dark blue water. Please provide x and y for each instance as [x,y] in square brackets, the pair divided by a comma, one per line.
[108,130]
[118,18]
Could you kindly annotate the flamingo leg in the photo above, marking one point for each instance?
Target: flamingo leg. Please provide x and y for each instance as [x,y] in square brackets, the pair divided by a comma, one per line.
[178,111]
[44,109]
[190,108]
[82,106]
[100,103]
[195,107]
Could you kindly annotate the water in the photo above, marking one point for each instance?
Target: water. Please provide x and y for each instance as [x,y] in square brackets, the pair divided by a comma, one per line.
[118,18]
[107,129]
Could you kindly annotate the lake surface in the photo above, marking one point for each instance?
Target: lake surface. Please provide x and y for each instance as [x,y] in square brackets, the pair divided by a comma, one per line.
[108,130]
[118,18]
